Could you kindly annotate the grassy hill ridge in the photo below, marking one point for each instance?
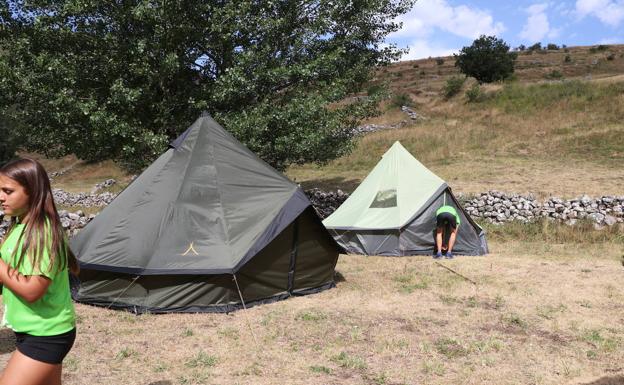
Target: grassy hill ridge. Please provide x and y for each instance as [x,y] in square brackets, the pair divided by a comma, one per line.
[532,134]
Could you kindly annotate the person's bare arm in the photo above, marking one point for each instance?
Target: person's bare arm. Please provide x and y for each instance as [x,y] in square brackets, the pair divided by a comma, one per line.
[29,287]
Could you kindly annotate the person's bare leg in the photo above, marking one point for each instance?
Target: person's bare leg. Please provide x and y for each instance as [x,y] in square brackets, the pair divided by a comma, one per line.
[452,240]
[439,239]
[23,370]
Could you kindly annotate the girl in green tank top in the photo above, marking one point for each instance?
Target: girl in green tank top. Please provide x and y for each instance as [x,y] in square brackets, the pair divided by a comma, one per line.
[34,264]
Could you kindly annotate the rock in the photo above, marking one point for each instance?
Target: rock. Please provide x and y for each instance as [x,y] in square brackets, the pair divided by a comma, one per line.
[609,220]
[597,217]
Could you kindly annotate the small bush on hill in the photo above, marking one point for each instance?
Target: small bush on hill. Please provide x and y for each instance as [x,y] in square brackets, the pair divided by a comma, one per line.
[375,89]
[475,94]
[402,99]
[611,56]
[552,46]
[415,65]
[598,48]
[536,47]
[567,59]
[439,61]
[453,86]
[554,75]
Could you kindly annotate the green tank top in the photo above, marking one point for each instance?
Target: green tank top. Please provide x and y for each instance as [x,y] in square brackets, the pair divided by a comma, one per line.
[449,209]
[51,314]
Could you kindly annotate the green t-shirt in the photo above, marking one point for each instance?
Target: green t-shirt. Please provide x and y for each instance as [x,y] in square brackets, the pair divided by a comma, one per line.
[51,314]
[449,209]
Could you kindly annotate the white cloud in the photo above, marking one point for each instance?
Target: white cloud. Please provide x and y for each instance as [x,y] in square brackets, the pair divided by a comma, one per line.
[427,15]
[421,48]
[537,26]
[610,12]
[611,40]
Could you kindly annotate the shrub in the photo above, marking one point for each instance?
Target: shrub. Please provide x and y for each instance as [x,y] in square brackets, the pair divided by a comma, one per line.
[422,73]
[567,59]
[552,46]
[375,89]
[453,86]
[611,56]
[536,47]
[415,65]
[554,75]
[402,99]
[488,59]
[598,48]
[474,94]
[439,61]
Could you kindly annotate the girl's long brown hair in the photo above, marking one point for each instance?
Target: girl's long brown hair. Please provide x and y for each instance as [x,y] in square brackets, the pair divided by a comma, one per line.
[43,225]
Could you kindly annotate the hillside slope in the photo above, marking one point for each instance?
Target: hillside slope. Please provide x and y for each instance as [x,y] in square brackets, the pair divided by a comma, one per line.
[533,134]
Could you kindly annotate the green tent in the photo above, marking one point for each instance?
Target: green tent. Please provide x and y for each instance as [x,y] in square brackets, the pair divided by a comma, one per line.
[207,227]
[392,212]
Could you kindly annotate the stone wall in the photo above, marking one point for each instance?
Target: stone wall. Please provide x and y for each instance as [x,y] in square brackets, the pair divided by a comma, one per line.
[499,207]
[492,206]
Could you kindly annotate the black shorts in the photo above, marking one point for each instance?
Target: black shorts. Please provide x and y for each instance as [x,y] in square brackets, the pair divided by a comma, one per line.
[446,219]
[48,349]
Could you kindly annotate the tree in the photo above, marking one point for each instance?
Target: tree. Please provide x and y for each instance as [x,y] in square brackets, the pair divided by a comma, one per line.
[488,59]
[118,80]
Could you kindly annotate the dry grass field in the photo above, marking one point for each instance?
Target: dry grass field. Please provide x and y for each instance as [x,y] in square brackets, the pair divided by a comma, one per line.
[545,307]
[539,313]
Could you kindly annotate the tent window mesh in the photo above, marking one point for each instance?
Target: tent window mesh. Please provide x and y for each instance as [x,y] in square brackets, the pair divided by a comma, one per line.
[385,198]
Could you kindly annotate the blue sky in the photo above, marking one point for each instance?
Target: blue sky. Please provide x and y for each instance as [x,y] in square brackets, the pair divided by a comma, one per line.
[441,27]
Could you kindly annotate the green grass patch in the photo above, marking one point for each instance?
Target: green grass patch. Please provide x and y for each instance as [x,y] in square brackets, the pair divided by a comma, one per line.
[349,361]
[410,282]
[550,312]
[125,353]
[311,315]
[450,347]
[519,98]
[202,359]
[320,369]
[515,320]
[583,232]
[433,368]
[600,341]
[605,146]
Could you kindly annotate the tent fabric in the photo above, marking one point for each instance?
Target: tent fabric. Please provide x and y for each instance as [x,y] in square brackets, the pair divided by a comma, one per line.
[396,189]
[206,210]
[364,224]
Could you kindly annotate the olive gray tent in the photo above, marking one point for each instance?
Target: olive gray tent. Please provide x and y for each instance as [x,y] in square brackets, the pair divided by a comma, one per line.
[392,212]
[207,227]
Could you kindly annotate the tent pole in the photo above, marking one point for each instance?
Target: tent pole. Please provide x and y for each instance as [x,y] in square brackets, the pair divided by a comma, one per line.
[245,309]
[124,290]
